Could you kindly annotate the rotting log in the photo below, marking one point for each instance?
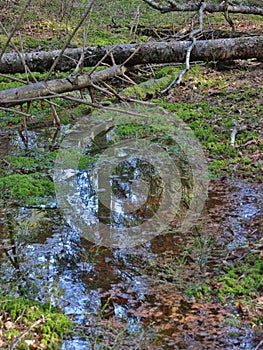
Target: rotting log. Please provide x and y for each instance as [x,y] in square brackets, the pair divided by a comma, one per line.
[150,52]
[133,54]
[53,88]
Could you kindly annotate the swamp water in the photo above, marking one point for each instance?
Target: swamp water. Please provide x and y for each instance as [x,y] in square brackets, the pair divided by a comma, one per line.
[124,298]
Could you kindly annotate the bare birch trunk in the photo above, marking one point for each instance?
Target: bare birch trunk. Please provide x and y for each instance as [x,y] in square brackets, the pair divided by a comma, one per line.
[151,52]
[155,52]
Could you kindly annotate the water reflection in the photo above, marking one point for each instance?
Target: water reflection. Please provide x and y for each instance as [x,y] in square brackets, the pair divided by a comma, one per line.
[44,259]
[135,194]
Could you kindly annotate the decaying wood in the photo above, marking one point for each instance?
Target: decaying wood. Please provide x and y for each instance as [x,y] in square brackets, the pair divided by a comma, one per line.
[53,88]
[131,54]
[173,5]
[150,52]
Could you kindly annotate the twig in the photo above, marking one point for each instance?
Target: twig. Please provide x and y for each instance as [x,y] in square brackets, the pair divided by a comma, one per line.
[80,63]
[189,50]
[104,91]
[113,91]
[102,59]
[129,79]
[18,339]
[234,132]
[249,142]
[227,17]
[12,78]
[24,125]
[112,59]
[95,105]
[8,164]
[135,24]
[259,345]
[233,136]
[56,117]
[14,29]
[69,39]
[19,54]
[131,56]
[15,111]
[24,100]
[146,103]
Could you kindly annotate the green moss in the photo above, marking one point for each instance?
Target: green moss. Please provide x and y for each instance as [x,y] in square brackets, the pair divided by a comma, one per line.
[85,161]
[168,70]
[29,188]
[243,279]
[199,290]
[212,125]
[50,325]
[241,282]
[80,111]
[138,129]
[8,119]
[26,164]
[149,88]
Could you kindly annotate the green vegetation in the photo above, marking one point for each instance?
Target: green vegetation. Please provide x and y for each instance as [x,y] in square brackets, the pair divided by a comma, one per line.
[85,161]
[242,279]
[34,163]
[27,179]
[31,189]
[29,324]
[212,121]
[240,285]
[148,89]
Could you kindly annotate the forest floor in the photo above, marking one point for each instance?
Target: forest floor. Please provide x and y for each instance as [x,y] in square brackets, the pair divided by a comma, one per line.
[197,291]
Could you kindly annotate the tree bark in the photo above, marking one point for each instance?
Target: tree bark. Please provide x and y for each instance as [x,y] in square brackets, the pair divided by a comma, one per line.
[155,52]
[151,52]
[173,6]
[53,88]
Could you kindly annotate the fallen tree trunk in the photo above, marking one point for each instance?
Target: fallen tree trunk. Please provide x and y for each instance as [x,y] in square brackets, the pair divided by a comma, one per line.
[157,52]
[173,6]
[53,88]
[150,52]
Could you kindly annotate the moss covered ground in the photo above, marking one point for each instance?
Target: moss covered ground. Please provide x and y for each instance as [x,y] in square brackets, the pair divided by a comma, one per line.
[27,324]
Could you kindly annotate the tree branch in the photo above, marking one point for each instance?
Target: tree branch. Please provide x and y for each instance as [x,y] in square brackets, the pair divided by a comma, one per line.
[87,11]
[55,87]
[189,50]
[14,29]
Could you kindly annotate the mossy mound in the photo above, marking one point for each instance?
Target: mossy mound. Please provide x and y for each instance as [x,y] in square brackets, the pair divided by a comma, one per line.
[31,325]
[30,189]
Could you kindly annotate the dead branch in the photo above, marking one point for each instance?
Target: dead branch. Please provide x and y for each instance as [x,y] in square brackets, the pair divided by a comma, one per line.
[227,17]
[233,136]
[14,29]
[20,337]
[56,117]
[237,128]
[259,345]
[55,87]
[189,50]
[87,11]
[10,110]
